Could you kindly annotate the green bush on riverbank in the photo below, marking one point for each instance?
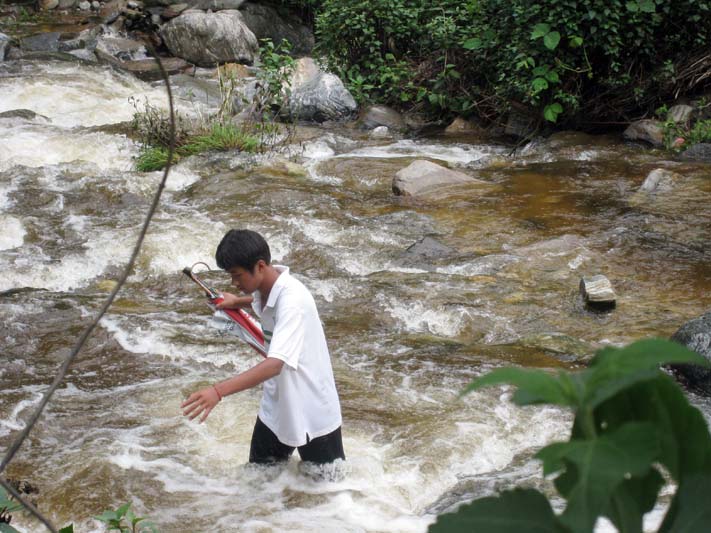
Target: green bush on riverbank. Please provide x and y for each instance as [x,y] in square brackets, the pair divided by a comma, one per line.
[569,62]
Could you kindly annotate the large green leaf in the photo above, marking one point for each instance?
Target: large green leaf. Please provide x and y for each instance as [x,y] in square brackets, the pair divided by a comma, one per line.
[692,507]
[551,40]
[614,369]
[534,386]
[7,528]
[601,465]
[632,499]
[685,443]
[512,511]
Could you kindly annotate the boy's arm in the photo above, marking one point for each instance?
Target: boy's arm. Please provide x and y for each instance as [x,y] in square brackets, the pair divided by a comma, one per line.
[205,400]
[232,301]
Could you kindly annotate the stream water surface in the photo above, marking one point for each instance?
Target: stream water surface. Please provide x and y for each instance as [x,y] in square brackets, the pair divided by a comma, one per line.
[406,333]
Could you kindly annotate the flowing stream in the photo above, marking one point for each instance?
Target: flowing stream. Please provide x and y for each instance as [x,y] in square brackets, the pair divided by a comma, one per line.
[406,333]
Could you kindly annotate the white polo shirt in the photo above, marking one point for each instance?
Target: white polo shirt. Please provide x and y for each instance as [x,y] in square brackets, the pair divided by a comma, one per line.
[301,402]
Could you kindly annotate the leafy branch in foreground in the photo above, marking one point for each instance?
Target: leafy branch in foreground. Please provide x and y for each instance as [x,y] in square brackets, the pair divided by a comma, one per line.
[631,420]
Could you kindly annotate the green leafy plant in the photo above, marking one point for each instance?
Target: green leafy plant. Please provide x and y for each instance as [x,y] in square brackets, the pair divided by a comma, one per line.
[124,520]
[274,76]
[633,427]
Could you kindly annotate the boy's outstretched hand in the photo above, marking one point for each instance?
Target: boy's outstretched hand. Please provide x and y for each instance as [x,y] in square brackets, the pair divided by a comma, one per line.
[200,402]
[232,301]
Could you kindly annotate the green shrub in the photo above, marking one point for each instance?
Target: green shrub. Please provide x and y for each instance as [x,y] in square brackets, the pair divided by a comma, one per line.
[572,60]
[633,425]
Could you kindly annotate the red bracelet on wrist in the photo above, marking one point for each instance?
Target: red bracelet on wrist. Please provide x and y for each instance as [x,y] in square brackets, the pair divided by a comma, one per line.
[218,393]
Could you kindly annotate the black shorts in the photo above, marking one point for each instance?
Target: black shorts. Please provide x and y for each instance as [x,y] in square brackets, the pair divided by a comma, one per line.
[266,448]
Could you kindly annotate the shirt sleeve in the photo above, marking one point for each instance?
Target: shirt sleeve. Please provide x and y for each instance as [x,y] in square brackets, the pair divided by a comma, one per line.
[288,337]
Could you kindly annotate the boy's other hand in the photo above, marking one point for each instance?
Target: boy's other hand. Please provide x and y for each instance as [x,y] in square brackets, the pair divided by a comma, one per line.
[232,301]
[200,402]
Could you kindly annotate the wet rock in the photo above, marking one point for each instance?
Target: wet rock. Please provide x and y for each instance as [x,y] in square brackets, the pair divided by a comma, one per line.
[85,6]
[649,131]
[209,39]
[318,96]
[381,115]
[121,49]
[422,177]
[698,152]
[25,114]
[680,114]
[266,23]
[462,126]
[146,69]
[426,251]
[381,132]
[565,347]
[4,43]
[41,42]
[659,180]
[597,292]
[695,335]
[84,55]
[46,5]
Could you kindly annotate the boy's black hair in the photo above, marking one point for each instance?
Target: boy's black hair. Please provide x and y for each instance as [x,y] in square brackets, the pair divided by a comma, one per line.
[242,248]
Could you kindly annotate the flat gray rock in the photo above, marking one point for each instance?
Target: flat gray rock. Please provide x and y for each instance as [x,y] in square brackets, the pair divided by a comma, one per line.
[422,177]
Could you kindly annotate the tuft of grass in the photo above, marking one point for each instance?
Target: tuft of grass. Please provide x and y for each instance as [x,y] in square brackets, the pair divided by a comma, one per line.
[152,158]
[221,137]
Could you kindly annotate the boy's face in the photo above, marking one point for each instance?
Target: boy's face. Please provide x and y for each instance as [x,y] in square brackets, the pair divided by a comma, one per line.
[247,281]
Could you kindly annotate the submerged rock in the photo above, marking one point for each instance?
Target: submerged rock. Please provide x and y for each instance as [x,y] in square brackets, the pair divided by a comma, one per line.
[695,335]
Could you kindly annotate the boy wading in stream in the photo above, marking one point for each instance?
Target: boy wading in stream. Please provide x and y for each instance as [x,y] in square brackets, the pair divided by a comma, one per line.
[300,407]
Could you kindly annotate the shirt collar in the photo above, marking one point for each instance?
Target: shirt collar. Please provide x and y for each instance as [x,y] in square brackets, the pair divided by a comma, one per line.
[278,285]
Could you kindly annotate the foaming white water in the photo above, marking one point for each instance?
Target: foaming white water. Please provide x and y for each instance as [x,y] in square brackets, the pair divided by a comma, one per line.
[72,95]
[452,153]
[13,232]
[38,146]
[13,421]
[183,240]
[416,317]
[35,269]
[156,336]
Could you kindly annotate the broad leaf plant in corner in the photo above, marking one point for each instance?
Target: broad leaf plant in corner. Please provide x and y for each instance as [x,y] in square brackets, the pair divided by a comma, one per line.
[633,426]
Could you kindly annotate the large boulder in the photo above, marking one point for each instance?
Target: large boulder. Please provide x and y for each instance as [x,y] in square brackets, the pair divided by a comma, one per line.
[649,131]
[318,96]
[209,39]
[423,177]
[695,335]
[266,23]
